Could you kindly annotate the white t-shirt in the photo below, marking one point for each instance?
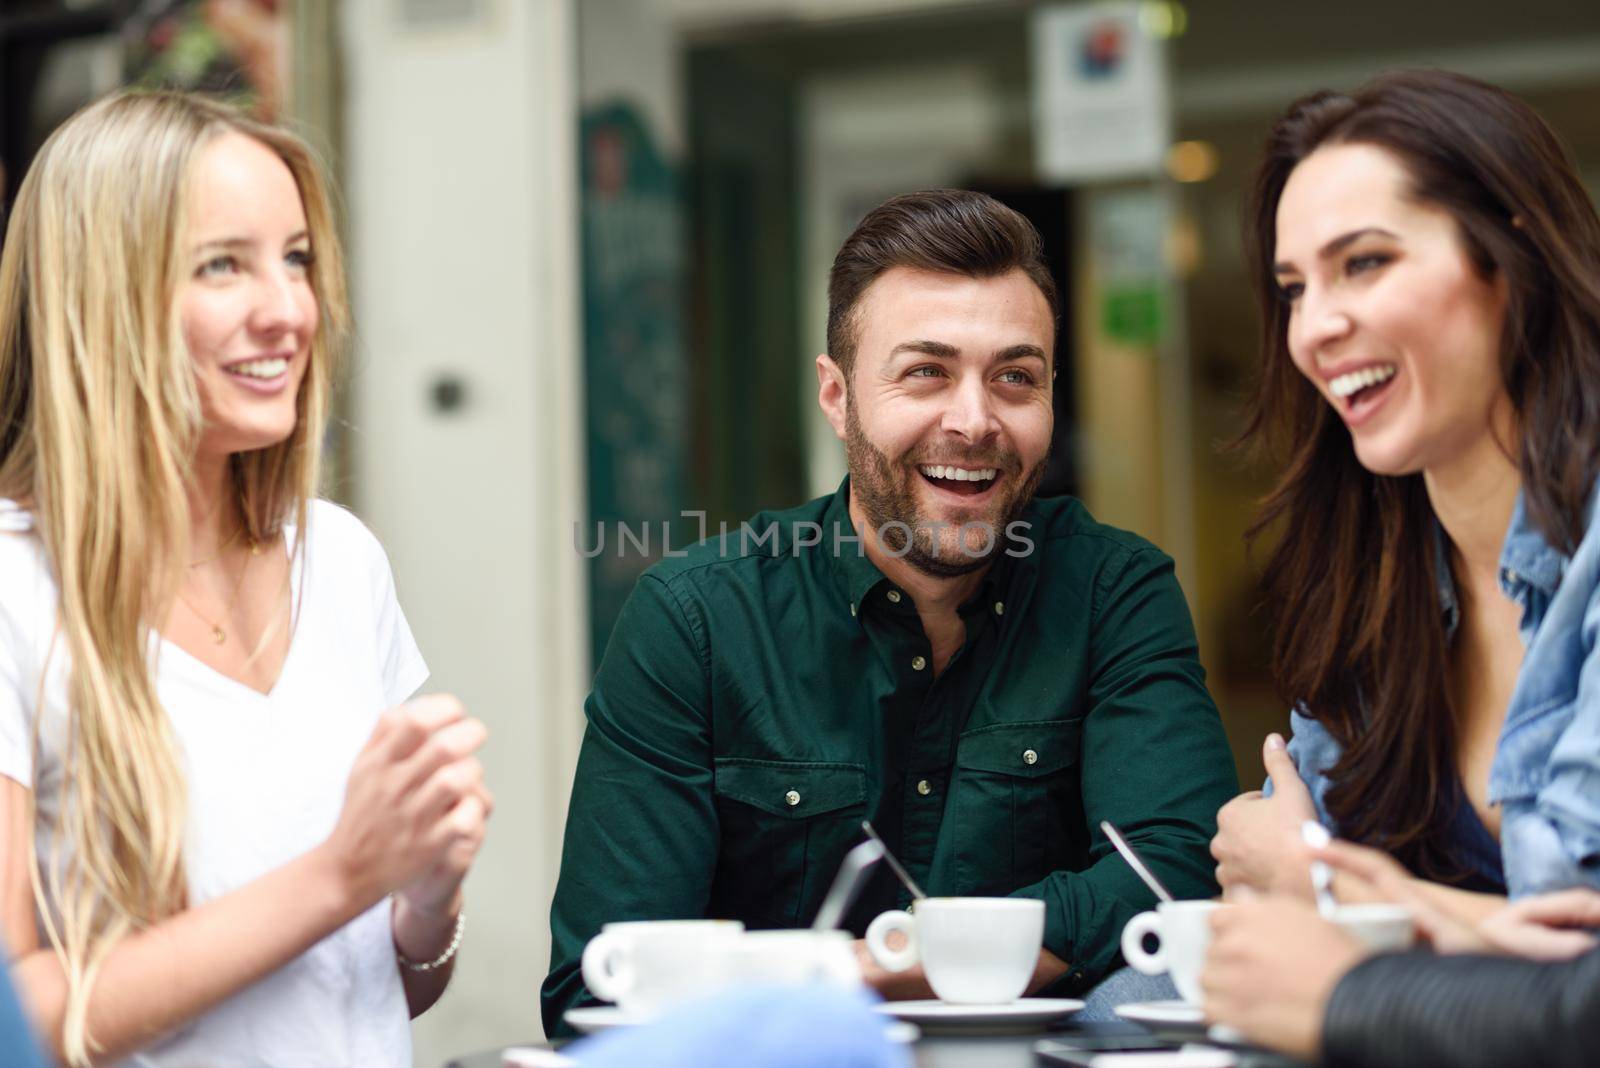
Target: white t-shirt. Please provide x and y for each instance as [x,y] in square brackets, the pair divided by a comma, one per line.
[266,777]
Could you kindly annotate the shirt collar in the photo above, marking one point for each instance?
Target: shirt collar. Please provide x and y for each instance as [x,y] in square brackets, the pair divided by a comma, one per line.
[857,576]
[1526,558]
[14,518]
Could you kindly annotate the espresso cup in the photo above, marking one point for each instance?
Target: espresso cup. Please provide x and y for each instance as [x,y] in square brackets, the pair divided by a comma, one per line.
[974,950]
[645,965]
[1183,930]
[1382,928]
[1183,933]
[789,957]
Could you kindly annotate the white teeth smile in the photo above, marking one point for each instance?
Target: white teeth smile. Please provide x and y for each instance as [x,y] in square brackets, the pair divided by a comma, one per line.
[1355,381]
[271,367]
[958,474]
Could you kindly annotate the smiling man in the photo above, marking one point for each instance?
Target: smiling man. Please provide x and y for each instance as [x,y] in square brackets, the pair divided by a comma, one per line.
[983,675]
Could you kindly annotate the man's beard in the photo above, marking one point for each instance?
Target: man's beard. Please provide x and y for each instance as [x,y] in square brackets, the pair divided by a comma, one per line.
[887,496]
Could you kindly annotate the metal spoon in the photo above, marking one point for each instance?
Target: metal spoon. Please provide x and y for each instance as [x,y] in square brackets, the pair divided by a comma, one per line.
[1134,862]
[894,865]
[1316,836]
[847,884]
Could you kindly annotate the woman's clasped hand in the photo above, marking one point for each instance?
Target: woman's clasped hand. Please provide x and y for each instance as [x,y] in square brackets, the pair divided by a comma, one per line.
[416,807]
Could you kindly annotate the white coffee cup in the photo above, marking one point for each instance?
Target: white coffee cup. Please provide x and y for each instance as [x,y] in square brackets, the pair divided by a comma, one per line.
[1381,927]
[796,956]
[1184,931]
[645,965]
[975,950]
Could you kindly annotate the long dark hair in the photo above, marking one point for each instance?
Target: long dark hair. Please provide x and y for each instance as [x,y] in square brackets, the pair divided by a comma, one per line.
[1360,637]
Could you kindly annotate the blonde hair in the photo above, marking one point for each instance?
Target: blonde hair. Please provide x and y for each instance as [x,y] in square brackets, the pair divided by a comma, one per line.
[99,422]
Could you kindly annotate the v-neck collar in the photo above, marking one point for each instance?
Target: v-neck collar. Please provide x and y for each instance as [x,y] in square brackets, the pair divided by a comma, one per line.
[296,602]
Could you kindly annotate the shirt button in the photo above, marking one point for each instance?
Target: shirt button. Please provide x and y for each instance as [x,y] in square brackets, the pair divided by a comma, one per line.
[999,608]
[1510,577]
[924,788]
[852,610]
[791,798]
[1030,757]
[918,663]
[894,596]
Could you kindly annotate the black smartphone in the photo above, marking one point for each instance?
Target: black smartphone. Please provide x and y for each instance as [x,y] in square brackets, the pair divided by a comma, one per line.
[1079,1050]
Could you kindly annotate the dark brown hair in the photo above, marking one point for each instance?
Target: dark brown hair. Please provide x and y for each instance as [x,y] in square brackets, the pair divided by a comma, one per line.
[1361,641]
[955,231]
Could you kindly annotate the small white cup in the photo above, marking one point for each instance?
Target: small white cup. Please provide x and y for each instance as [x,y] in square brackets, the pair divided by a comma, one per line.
[1382,928]
[794,956]
[644,965]
[1184,931]
[975,950]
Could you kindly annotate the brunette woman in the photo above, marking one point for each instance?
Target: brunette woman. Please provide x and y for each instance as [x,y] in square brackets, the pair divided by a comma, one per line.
[1428,266]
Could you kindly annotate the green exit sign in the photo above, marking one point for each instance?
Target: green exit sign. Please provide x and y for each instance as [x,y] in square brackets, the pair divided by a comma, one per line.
[1133,314]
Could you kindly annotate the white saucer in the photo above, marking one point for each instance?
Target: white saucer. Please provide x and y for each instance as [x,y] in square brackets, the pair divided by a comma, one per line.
[1173,1014]
[593,1019]
[1228,1036]
[529,1057]
[1022,1014]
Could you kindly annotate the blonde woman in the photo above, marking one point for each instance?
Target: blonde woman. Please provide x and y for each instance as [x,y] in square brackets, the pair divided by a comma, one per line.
[216,847]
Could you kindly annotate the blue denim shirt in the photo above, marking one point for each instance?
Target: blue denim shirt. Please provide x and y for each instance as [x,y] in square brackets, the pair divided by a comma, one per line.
[17,1046]
[1546,770]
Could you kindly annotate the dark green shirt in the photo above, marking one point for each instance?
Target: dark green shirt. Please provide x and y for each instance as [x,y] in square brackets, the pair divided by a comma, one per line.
[760,696]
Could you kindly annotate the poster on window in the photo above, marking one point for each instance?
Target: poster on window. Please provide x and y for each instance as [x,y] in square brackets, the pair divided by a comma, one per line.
[635,257]
[1100,96]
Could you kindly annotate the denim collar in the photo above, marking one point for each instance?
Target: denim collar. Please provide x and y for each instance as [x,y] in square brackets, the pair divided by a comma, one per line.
[1527,561]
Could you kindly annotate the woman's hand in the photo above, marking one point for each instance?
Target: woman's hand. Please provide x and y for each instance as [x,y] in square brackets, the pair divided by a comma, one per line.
[1258,844]
[402,822]
[1555,926]
[437,891]
[1373,875]
[1549,927]
[414,807]
[1272,966]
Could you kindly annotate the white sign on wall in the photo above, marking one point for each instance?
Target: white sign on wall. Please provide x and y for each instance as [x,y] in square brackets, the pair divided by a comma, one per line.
[1100,103]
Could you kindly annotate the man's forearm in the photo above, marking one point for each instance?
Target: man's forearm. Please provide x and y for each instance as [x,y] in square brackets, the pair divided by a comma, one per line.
[1419,1010]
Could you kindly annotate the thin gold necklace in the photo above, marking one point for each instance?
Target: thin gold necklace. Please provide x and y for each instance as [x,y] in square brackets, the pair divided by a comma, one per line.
[220,549]
[218,634]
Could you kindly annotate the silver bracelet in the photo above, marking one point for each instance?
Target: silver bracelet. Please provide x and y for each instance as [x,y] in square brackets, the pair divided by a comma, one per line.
[442,959]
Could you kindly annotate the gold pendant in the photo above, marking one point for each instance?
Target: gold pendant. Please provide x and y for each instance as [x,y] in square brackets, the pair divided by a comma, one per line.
[218,635]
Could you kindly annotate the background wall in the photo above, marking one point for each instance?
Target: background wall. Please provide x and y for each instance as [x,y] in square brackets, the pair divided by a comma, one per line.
[460,182]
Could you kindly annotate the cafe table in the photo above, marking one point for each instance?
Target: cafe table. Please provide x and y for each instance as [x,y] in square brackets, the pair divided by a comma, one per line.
[954,1050]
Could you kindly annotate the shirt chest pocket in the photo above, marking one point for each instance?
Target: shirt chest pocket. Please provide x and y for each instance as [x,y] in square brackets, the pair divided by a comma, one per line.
[1015,811]
[785,826]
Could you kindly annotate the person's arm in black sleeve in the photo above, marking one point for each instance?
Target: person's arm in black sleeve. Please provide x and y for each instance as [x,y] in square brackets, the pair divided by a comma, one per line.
[1417,1010]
